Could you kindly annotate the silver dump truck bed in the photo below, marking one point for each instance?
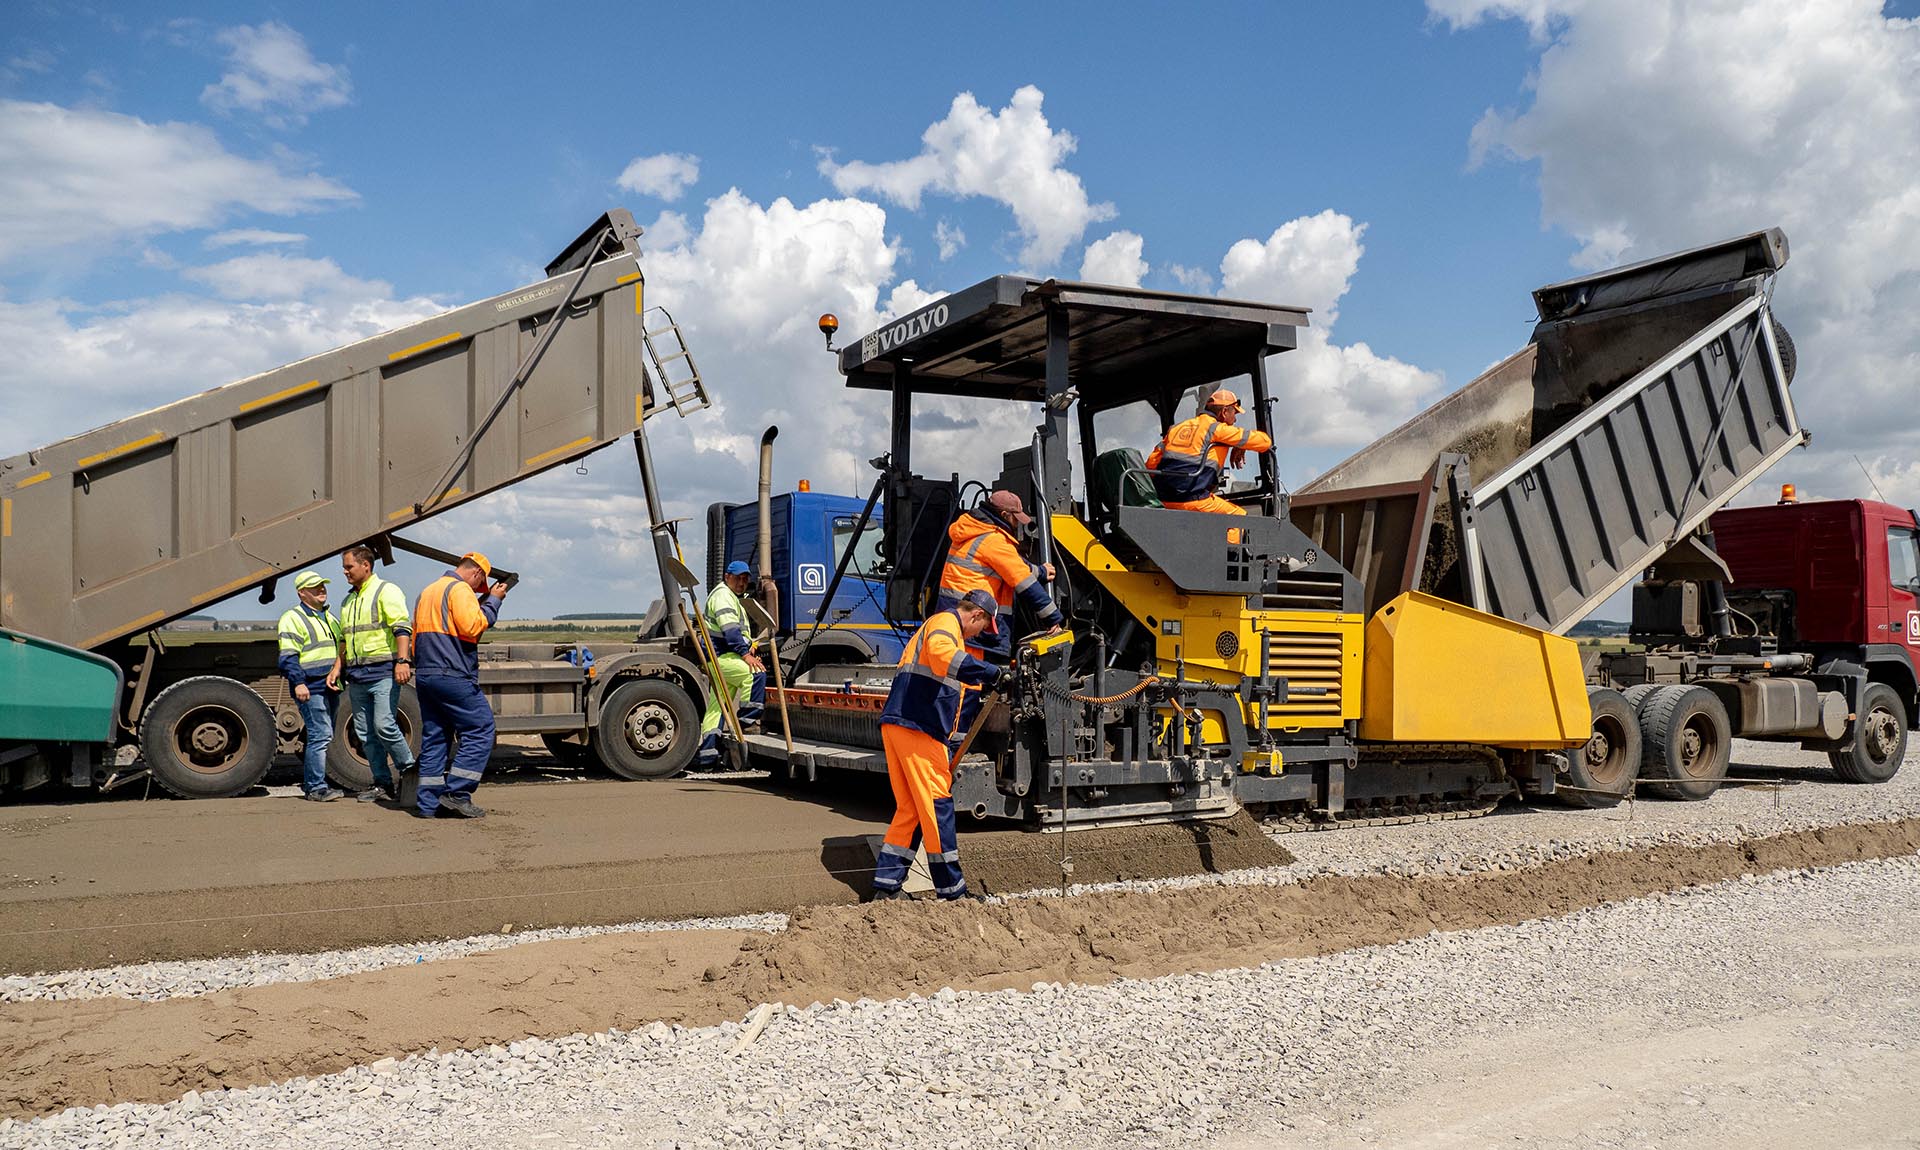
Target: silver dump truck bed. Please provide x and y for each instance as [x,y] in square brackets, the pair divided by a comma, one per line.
[121,529]
[1647,399]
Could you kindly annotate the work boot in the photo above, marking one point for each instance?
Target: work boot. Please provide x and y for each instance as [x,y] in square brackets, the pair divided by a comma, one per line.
[462,806]
[374,795]
[894,894]
[324,794]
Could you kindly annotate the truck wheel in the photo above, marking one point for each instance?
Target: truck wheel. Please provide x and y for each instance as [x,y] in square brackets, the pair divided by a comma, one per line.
[1879,738]
[1637,694]
[208,737]
[1603,772]
[1686,737]
[347,760]
[568,751]
[1789,355]
[648,729]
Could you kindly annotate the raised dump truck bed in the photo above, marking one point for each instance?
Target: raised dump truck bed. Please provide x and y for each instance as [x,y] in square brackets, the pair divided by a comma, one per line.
[1648,398]
[130,525]
[107,536]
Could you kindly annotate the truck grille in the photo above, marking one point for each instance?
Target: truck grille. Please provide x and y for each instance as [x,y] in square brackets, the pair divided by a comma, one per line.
[1305,659]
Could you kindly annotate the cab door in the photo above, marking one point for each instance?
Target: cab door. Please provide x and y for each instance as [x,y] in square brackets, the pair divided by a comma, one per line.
[1902,624]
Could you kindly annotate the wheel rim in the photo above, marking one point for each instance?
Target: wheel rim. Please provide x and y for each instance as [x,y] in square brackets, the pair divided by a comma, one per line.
[650,728]
[1699,748]
[1881,736]
[210,738]
[1606,753]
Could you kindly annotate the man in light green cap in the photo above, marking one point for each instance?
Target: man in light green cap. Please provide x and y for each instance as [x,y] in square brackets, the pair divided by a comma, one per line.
[309,645]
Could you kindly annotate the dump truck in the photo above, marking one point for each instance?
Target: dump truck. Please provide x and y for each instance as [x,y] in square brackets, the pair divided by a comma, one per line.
[1385,644]
[108,536]
[1599,458]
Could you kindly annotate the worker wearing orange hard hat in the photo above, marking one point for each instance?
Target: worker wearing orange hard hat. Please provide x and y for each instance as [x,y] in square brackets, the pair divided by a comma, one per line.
[921,716]
[456,721]
[1186,465]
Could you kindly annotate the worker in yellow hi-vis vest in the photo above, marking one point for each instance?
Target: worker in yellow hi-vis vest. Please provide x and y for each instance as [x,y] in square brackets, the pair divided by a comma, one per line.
[376,658]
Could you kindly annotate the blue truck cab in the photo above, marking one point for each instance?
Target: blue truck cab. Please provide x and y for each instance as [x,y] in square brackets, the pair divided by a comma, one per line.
[811,530]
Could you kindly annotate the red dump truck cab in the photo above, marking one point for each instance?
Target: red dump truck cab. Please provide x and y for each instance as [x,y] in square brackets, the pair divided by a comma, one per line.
[1840,578]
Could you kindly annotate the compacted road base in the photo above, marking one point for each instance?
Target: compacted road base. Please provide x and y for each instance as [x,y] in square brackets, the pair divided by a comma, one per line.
[102,882]
[62,1054]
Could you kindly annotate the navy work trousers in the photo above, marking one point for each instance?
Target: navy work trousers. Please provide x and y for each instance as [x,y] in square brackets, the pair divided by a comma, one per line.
[456,737]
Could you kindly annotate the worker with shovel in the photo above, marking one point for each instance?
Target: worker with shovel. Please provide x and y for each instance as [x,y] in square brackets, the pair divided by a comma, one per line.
[742,674]
[921,715]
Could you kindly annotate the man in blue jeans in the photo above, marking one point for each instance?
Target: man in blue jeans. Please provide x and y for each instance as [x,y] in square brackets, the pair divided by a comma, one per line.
[376,658]
[309,647]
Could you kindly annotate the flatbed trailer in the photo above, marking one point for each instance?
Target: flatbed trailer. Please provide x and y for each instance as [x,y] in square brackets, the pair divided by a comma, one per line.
[108,536]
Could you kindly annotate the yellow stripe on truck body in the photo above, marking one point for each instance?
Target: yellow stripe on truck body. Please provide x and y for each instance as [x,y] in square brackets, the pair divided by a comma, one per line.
[1438,672]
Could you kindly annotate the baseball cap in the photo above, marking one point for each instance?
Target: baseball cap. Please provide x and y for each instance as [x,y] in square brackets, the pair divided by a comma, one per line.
[1008,505]
[480,561]
[308,579]
[1223,398]
[983,600]
[738,567]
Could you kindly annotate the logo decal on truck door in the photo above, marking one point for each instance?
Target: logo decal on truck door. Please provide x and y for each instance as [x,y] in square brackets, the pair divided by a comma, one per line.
[1913,628]
[813,578]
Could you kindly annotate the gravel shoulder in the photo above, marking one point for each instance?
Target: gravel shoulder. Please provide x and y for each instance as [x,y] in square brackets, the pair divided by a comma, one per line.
[1674,1020]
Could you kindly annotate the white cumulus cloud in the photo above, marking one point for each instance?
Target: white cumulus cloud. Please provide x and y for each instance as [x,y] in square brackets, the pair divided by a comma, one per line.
[252,237]
[272,73]
[1115,259]
[278,276]
[1012,156]
[666,176]
[949,238]
[1329,393]
[69,175]
[1662,124]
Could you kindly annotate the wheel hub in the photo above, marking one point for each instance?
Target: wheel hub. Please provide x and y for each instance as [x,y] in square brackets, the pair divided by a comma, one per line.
[1882,735]
[209,738]
[650,728]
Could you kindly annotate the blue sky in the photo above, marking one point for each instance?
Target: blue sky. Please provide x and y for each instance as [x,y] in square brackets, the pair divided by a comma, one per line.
[1417,168]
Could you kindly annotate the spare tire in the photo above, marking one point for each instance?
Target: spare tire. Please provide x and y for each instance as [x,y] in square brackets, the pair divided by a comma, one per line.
[1789,355]
[208,737]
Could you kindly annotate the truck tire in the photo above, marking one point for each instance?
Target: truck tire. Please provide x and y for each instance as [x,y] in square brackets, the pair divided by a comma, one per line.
[208,737]
[566,750]
[1685,736]
[1789,355]
[1603,772]
[1878,739]
[648,729]
[1637,694]
[347,764]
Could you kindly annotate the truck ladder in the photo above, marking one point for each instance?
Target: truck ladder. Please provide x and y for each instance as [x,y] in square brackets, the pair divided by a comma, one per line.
[683,387]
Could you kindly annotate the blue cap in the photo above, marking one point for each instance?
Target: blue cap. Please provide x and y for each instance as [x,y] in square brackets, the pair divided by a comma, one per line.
[738,568]
[982,600]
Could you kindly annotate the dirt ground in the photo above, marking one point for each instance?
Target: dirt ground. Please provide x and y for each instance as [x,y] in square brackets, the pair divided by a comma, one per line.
[62,1054]
[97,882]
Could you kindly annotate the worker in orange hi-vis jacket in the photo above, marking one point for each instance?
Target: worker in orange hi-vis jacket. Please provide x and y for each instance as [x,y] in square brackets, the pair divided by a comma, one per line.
[922,711]
[456,737]
[1186,465]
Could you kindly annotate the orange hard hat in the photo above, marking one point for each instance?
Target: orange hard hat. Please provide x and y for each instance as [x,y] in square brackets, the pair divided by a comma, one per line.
[480,561]
[1223,398]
